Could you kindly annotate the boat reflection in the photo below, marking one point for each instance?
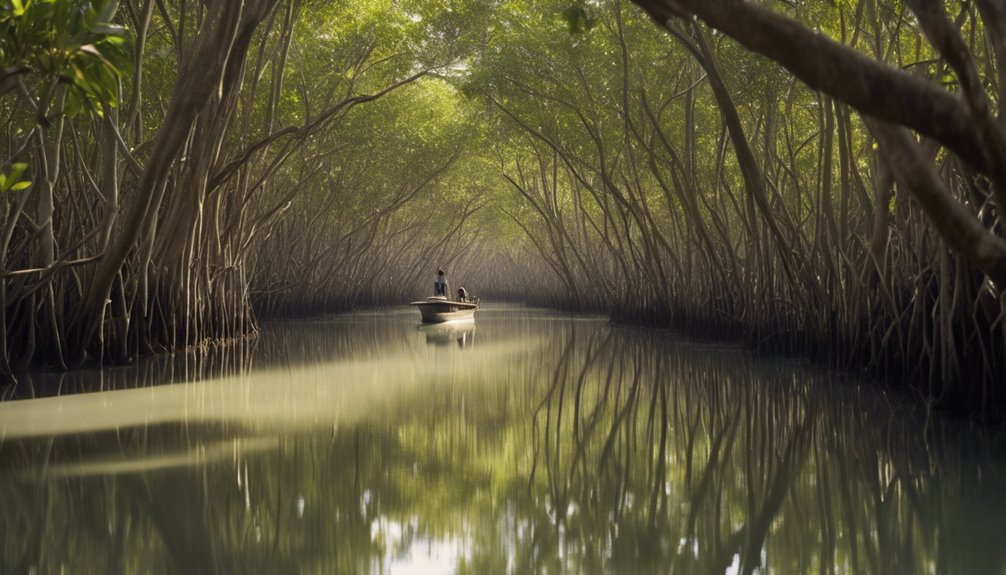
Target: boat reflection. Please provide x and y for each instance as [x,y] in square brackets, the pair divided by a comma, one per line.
[443,334]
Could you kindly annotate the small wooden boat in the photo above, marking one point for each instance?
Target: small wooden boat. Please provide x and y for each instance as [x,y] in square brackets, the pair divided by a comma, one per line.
[437,309]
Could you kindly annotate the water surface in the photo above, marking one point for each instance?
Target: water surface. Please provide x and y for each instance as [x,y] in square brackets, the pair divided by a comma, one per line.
[527,442]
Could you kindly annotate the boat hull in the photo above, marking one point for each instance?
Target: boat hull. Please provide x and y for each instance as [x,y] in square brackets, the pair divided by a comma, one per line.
[439,310]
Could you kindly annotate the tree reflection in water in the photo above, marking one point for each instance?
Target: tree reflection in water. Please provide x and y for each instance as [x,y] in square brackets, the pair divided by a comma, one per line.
[603,450]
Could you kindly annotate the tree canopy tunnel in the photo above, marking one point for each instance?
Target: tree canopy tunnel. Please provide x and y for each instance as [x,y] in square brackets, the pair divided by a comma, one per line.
[822,179]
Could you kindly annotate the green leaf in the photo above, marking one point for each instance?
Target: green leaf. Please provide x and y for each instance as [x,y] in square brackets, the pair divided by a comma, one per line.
[93,51]
[108,11]
[20,185]
[18,7]
[16,169]
[90,49]
[73,105]
[109,29]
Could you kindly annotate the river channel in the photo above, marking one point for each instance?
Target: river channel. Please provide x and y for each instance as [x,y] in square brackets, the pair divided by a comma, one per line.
[527,442]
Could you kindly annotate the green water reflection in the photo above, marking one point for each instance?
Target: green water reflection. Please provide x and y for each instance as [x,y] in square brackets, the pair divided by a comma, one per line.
[529,442]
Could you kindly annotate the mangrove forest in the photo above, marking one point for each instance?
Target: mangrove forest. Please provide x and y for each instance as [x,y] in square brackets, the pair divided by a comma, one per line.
[820,180]
[715,273]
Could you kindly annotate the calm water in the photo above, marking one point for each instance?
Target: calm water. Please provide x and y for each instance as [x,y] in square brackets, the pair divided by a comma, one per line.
[531,442]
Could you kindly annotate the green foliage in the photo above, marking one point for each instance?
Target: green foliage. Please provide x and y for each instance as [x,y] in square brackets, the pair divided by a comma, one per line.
[579,17]
[606,121]
[12,181]
[75,42]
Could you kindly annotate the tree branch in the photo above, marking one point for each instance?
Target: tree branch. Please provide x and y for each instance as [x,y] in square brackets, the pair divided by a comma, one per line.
[871,87]
[955,224]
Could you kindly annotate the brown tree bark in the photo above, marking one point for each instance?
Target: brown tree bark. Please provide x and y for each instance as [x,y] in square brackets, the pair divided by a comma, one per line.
[201,74]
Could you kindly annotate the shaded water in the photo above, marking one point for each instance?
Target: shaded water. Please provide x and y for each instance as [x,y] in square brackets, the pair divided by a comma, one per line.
[531,442]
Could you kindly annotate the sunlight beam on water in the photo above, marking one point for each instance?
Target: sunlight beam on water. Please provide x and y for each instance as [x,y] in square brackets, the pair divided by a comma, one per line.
[202,454]
[302,396]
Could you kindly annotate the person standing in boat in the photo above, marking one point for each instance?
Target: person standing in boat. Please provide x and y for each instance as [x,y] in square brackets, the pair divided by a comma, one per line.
[440,285]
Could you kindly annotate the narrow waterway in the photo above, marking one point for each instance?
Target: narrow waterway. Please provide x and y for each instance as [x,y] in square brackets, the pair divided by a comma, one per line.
[527,442]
